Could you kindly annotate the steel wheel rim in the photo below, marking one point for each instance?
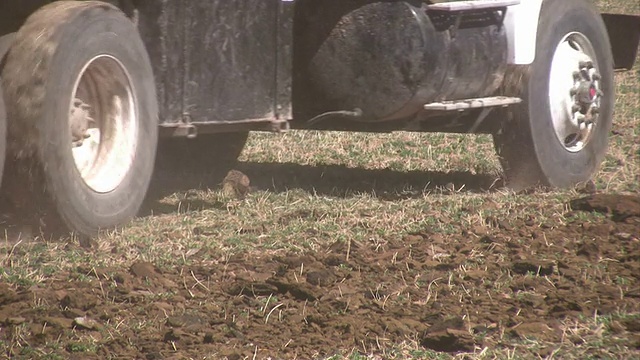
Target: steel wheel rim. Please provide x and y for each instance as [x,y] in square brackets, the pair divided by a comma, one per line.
[103,123]
[574,91]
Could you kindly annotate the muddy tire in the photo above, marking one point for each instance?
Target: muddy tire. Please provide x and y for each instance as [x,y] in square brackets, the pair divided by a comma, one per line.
[83,114]
[558,136]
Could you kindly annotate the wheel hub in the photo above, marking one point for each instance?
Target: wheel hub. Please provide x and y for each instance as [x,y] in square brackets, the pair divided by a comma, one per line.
[79,122]
[586,95]
[103,123]
[574,92]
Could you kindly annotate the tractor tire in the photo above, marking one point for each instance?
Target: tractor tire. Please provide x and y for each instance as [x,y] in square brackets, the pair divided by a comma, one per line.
[83,113]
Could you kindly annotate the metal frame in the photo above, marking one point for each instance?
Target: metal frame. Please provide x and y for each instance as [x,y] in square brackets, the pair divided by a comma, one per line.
[521,23]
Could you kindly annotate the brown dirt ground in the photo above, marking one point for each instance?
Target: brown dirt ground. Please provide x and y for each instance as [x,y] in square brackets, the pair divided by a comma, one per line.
[447,293]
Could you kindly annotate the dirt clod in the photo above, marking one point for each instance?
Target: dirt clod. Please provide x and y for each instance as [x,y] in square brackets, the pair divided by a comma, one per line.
[448,340]
[86,323]
[535,268]
[621,206]
[143,270]
[589,249]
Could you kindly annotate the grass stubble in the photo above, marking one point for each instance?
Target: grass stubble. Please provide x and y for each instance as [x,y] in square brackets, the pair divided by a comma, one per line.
[350,187]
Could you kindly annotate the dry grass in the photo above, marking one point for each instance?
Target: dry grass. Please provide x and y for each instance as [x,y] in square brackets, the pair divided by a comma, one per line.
[316,188]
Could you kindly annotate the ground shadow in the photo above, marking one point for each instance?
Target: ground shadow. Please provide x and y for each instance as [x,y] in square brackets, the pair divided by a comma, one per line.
[343,181]
[324,180]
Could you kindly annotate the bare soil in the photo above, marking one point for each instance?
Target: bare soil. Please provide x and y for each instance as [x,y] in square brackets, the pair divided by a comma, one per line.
[520,279]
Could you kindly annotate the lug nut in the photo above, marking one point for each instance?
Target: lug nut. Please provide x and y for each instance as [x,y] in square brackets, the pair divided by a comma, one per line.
[590,124]
[585,64]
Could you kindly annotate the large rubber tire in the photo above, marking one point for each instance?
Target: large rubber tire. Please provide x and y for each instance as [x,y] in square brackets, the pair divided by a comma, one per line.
[527,143]
[44,73]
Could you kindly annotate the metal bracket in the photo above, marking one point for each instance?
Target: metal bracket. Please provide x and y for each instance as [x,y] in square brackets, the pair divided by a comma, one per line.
[280,126]
[188,129]
[472,5]
[459,9]
[453,30]
[462,105]
[483,115]
[182,128]
[487,105]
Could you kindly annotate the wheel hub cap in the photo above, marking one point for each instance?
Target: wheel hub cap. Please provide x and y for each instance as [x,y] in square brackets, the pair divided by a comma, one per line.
[103,123]
[574,92]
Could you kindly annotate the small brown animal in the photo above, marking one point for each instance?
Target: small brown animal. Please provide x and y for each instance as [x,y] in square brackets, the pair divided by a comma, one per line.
[236,184]
[588,187]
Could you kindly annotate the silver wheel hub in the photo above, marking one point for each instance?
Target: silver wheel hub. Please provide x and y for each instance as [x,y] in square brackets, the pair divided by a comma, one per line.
[103,123]
[574,92]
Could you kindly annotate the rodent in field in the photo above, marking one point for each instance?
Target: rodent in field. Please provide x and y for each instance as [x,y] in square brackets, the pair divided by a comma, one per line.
[236,184]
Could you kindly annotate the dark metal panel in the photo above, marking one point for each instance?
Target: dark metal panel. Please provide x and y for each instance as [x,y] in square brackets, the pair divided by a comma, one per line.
[285,60]
[624,32]
[231,59]
[161,25]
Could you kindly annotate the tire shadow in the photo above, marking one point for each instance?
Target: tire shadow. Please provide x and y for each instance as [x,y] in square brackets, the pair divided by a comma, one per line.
[325,180]
[343,181]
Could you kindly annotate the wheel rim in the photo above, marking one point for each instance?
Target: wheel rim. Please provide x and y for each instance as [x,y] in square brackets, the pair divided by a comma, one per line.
[574,91]
[103,123]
